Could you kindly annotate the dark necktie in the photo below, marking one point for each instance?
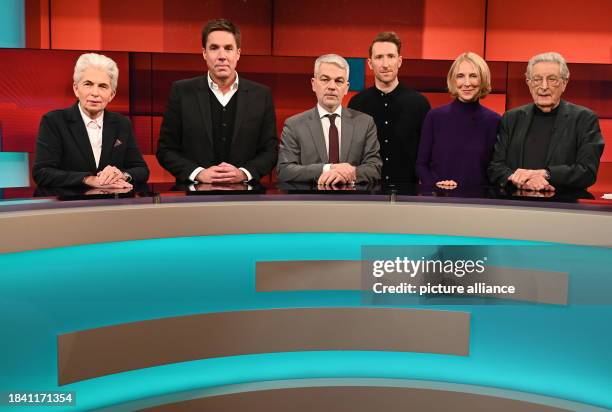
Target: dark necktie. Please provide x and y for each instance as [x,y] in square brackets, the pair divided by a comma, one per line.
[334,145]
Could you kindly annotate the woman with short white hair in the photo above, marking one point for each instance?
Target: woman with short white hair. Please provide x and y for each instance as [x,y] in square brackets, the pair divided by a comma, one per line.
[86,145]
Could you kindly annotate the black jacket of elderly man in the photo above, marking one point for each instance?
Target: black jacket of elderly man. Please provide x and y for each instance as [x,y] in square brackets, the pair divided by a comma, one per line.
[571,155]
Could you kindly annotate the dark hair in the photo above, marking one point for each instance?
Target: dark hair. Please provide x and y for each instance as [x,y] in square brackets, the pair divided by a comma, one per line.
[386,36]
[220,25]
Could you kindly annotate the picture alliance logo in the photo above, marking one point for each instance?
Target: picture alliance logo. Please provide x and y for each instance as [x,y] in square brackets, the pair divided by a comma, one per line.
[412,268]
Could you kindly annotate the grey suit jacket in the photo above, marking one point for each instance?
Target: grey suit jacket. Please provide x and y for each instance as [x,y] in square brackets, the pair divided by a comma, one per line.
[574,152]
[303,153]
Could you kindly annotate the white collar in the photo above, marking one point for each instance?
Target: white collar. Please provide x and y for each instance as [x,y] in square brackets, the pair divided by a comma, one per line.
[215,87]
[86,119]
[323,112]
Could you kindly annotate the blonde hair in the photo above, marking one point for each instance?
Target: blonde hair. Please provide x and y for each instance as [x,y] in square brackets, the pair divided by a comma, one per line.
[481,67]
[97,61]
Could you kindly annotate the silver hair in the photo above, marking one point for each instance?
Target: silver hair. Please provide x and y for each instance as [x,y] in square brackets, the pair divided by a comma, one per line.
[333,59]
[97,61]
[552,57]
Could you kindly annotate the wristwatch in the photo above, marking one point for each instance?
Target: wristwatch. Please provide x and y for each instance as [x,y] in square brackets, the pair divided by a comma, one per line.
[547,174]
[127,177]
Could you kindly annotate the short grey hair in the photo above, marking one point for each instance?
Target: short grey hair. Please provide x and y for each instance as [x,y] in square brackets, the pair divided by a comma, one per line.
[333,59]
[96,61]
[552,57]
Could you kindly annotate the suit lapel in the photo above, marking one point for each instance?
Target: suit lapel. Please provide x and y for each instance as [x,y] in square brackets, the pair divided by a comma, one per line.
[521,131]
[81,139]
[558,128]
[205,109]
[347,135]
[316,132]
[109,134]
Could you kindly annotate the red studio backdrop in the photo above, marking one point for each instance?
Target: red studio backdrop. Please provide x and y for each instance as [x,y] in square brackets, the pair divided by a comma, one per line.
[160,42]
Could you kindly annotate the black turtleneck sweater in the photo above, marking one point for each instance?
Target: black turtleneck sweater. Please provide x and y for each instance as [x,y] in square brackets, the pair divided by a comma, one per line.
[538,138]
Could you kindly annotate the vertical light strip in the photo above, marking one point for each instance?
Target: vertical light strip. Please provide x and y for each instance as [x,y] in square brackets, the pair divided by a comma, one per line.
[14,170]
[12,23]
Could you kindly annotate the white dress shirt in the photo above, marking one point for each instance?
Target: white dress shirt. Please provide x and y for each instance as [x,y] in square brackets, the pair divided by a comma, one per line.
[94,131]
[326,123]
[224,100]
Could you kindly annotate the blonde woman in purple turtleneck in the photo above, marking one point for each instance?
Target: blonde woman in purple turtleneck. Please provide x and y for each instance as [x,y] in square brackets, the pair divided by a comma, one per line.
[457,139]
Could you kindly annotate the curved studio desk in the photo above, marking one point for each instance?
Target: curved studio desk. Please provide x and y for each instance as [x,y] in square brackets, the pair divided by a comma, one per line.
[219,303]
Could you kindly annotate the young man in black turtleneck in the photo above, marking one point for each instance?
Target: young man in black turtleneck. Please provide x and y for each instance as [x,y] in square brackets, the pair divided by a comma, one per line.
[397,110]
[549,143]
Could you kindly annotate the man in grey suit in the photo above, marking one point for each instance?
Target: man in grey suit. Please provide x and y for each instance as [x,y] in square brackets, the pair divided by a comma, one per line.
[316,147]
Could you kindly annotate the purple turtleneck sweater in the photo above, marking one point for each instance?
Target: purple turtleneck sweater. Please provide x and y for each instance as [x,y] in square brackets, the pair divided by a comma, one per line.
[457,143]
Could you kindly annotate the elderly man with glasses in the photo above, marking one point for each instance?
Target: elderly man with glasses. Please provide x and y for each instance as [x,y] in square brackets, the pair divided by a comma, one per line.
[549,143]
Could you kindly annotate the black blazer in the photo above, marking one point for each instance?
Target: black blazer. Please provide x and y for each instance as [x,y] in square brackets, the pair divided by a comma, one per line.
[574,152]
[63,152]
[186,136]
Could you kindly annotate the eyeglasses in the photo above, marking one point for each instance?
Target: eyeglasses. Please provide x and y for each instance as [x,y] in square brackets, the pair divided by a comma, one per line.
[550,80]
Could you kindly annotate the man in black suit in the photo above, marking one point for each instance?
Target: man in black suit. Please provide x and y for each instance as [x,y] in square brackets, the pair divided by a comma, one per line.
[218,128]
[550,143]
[84,144]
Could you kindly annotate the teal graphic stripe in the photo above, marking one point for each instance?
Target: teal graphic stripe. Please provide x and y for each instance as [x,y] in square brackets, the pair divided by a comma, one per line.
[549,350]
[12,23]
[14,169]
[356,74]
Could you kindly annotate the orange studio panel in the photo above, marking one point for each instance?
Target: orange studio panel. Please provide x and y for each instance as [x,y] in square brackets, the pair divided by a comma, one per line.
[76,25]
[344,27]
[183,21]
[519,29]
[451,27]
[154,25]
[107,25]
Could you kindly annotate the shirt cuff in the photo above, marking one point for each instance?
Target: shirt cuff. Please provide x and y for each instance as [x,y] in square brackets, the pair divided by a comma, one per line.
[327,167]
[193,174]
[246,172]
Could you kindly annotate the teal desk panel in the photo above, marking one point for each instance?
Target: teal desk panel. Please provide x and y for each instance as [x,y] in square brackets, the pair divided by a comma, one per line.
[557,351]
